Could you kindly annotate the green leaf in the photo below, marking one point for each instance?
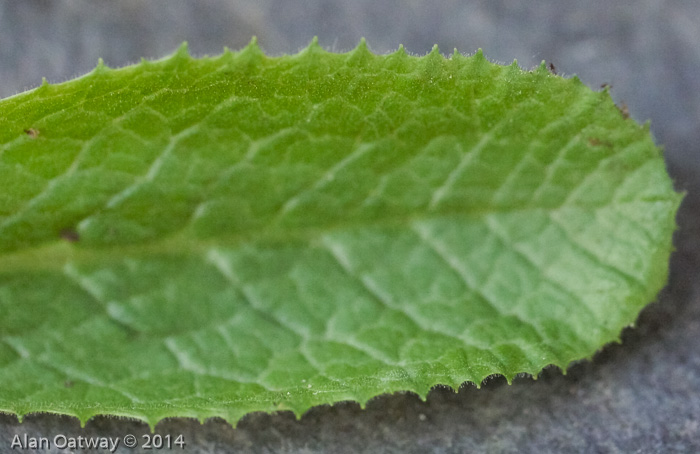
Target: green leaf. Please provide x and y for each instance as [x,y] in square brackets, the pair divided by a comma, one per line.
[210,237]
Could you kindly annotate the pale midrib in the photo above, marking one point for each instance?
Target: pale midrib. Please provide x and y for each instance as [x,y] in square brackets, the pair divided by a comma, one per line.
[55,255]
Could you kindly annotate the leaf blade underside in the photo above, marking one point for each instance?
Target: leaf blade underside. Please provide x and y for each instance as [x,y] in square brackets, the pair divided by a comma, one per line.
[210,237]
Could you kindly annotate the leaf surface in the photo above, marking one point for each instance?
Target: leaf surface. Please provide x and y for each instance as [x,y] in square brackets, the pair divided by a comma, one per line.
[210,237]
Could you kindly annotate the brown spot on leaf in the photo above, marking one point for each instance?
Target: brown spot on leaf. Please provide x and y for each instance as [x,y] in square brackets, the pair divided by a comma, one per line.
[596,142]
[605,85]
[552,68]
[31,132]
[624,110]
[70,235]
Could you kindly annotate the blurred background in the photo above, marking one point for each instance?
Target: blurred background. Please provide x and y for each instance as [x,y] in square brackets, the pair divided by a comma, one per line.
[641,396]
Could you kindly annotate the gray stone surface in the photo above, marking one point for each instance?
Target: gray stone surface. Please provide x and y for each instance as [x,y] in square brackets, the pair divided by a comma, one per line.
[641,396]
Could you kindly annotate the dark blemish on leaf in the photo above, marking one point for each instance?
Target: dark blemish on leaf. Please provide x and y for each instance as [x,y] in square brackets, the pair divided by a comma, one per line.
[605,85]
[31,132]
[68,384]
[596,141]
[552,68]
[70,235]
[624,110]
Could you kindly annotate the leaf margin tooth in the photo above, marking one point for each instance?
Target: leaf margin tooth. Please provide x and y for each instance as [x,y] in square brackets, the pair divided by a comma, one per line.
[101,67]
[360,54]
[182,52]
